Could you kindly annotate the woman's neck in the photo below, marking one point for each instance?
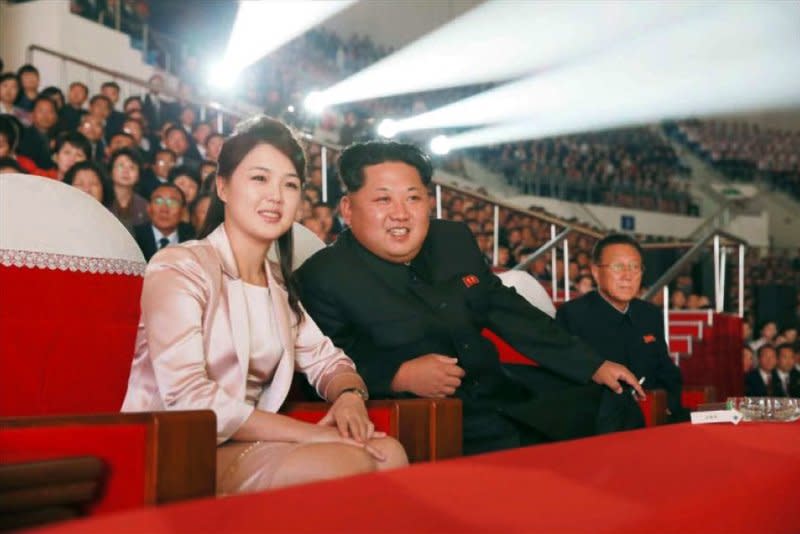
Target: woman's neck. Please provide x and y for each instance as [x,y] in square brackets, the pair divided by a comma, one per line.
[124,195]
[249,254]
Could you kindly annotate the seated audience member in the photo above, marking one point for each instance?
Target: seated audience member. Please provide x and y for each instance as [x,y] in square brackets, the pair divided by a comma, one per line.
[677,300]
[100,106]
[9,89]
[748,359]
[9,166]
[129,207]
[10,129]
[188,181]
[206,168]
[183,352]
[794,374]
[89,177]
[584,284]
[36,138]
[28,77]
[122,140]
[407,299]
[213,145]
[158,173]
[199,211]
[330,226]
[620,326]
[92,128]
[165,227]
[69,116]
[787,383]
[132,104]
[54,94]
[177,140]
[200,133]
[761,381]
[767,334]
[115,118]
[315,226]
[70,148]
[135,129]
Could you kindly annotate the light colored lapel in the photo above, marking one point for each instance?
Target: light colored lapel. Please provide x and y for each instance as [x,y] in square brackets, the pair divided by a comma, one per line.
[237,303]
[273,396]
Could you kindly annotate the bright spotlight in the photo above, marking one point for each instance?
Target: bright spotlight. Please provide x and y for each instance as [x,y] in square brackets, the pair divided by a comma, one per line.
[315,102]
[440,145]
[222,76]
[290,109]
[387,128]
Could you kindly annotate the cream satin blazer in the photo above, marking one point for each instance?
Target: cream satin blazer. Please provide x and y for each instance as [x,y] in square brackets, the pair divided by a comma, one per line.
[193,341]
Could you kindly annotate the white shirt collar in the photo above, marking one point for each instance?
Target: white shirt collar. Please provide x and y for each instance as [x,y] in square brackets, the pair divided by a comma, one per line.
[173,237]
[765,376]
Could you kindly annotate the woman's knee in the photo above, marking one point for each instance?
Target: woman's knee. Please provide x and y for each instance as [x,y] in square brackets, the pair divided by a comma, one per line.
[393,452]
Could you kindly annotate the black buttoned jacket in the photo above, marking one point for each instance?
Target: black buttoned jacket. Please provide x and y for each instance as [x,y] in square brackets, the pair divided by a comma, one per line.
[634,339]
[383,314]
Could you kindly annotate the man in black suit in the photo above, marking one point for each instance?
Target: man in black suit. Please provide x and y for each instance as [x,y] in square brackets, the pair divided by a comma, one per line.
[156,109]
[115,118]
[36,138]
[165,227]
[621,327]
[788,377]
[762,381]
[407,299]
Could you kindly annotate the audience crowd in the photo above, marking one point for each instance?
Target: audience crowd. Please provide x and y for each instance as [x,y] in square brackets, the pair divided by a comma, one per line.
[745,151]
[633,168]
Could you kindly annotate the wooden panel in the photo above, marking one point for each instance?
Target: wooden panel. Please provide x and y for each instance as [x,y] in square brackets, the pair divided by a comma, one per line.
[447,429]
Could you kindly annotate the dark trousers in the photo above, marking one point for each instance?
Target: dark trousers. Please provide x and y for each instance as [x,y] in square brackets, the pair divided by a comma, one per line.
[539,407]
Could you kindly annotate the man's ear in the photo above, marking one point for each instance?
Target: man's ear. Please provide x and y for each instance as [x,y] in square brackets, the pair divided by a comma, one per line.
[346,209]
[595,273]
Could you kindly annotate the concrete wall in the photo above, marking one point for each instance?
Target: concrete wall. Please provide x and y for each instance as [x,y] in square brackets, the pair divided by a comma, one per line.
[392,23]
[49,23]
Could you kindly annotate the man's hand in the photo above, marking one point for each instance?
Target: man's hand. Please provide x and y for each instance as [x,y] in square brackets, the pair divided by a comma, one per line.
[610,374]
[431,375]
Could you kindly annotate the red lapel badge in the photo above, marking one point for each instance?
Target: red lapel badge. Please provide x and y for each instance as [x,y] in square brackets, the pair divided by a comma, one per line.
[649,338]
[470,280]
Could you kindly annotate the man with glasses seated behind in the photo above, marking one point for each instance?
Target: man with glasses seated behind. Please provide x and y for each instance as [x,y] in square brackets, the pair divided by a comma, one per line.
[165,227]
[621,327]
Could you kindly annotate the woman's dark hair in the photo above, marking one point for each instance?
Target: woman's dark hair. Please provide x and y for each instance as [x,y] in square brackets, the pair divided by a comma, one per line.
[52,91]
[131,153]
[360,155]
[11,128]
[105,182]
[184,170]
[10,163]
[248,135]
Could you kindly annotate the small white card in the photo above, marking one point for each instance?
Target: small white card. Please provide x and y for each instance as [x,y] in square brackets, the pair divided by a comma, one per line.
[717,416]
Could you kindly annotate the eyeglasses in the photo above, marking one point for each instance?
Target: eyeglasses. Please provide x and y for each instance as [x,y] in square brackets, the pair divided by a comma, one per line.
[169,202]
[617,268]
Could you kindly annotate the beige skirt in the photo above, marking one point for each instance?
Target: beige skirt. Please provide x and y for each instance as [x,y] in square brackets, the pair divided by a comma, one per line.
[249,466]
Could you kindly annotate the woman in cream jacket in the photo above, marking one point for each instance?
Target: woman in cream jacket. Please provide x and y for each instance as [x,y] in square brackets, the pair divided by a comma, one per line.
[221,328]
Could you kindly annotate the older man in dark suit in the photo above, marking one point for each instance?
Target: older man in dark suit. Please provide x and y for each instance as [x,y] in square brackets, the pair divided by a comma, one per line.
[621,327]
[165,227]
[407,299]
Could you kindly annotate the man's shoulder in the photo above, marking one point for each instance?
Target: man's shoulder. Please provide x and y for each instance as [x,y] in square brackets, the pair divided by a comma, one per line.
[445,230]
[330,260]
[645,309]
[579,305]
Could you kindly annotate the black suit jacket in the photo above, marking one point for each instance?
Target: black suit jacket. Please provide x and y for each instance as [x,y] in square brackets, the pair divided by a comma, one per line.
[754,386]
[36,146]
[383,314]
[634,339]
[143,233]
[794,382]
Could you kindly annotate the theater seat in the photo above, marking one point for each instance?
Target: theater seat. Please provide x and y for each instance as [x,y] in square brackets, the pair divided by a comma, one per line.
[70,278]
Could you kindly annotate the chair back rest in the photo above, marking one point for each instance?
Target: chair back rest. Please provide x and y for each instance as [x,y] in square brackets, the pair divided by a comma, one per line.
[70,281]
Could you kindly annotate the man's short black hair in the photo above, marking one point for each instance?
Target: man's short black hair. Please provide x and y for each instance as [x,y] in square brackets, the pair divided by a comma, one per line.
[81,85]
[76,139]
[97,97]
[26,69]
[784,346]
[359,155]
[165,151]
[614,239]
[176,128]
[112,84]
[9,76]
[169,185]
[44,98]
[764,347]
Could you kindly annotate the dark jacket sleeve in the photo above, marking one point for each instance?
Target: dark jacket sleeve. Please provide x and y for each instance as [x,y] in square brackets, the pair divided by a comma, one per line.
[667,375]
[532,332]
[327,310]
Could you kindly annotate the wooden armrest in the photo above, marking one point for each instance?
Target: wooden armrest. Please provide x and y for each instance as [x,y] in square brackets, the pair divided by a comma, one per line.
[179,455]
[429,429]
